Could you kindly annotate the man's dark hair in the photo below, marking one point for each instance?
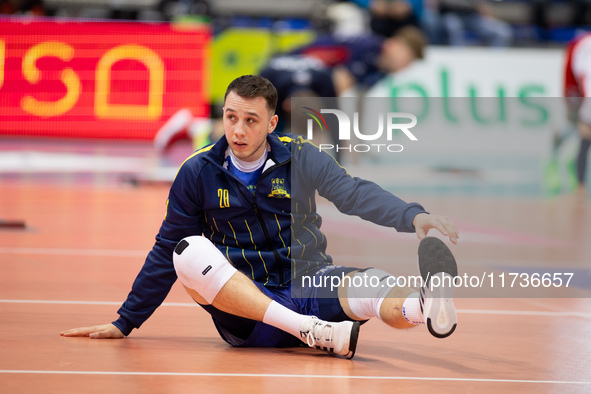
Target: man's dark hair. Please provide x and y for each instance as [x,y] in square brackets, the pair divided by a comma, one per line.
[251,86]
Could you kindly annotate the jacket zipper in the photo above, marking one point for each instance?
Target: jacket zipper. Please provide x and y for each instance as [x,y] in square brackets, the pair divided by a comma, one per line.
[262,222]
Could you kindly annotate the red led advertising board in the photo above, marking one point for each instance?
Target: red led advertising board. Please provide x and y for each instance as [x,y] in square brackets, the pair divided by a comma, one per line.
[94,79]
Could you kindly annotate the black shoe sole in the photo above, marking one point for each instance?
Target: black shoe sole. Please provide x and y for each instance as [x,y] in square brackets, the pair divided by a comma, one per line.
[354,338]
[436,334]
[434,257]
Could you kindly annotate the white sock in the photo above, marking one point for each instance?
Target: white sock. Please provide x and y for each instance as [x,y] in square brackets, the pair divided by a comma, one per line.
[411,309]
[366,308]
[285,319]
[366,301]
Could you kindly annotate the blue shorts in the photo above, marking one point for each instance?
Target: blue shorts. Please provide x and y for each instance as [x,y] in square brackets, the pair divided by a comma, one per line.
[239,331]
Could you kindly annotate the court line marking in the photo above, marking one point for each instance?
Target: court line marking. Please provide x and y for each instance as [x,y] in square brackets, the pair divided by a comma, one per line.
[68,302]
[342,258]
[262,375]
[525,313]
[189,304]
[76,252]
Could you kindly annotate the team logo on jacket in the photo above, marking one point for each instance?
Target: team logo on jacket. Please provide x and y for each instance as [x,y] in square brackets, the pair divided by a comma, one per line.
[278,188]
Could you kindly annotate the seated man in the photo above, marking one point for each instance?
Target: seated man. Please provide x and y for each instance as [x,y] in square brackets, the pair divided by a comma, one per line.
[241,224]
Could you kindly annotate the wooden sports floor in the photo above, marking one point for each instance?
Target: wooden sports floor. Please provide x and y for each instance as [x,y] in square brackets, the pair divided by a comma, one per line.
[84,242]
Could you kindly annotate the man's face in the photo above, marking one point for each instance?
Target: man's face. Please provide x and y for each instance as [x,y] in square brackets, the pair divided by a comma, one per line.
[395,55]
[247,121]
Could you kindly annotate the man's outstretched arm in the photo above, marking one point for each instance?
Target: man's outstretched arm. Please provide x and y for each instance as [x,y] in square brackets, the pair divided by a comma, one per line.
[157,275]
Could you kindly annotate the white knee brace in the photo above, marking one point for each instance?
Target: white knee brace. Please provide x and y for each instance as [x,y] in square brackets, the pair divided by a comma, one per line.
[201,266]
[367,290]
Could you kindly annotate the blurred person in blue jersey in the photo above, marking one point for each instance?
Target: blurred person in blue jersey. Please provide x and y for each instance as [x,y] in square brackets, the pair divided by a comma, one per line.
[340,66]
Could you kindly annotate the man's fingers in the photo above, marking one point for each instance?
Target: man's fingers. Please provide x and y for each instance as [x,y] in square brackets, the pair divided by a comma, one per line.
[421,233]
[78,332]
[442,229]
[424,222]
[449,229]
[446,227]
[95,332]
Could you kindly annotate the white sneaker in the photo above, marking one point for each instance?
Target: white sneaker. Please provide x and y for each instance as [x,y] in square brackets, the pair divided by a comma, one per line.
[437,307]
[339,338]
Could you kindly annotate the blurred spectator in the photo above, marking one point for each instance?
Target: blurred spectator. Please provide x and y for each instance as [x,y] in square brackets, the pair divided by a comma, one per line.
[130,15]
[581,12]
[359,60]
[348,18]
[538,17]
[541,16]
[339,67]
[173,9]
[577,90]
[450,21]
[386,17]
[7,7]
[22,7]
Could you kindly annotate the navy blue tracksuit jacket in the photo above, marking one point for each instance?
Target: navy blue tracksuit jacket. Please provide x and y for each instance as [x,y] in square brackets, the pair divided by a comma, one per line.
[272,235]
